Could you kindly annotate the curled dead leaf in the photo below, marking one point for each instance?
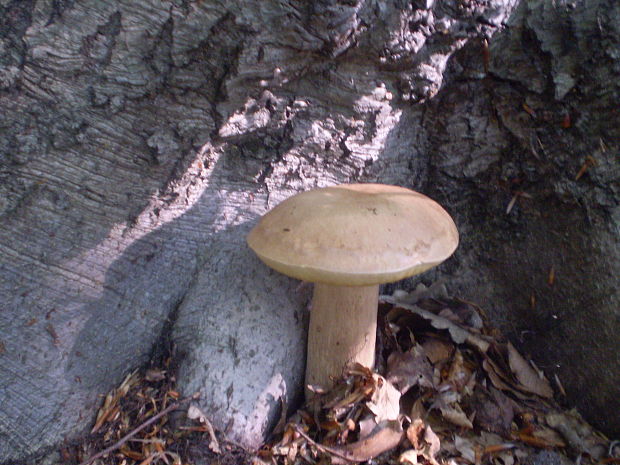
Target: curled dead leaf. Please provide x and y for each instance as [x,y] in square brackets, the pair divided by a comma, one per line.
[455,415]
[424,440]
[459,374]
[414,432]
[408,369]
[529,379]
[459,335]
[437,351]
[386,436]
[385,400]
[494,410]
[433,445]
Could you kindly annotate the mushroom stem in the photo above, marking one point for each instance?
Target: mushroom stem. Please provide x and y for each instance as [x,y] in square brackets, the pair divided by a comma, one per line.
[343,326]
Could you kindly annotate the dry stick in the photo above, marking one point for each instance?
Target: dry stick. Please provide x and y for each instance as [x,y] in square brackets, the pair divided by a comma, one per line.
[323,448]
[131,434]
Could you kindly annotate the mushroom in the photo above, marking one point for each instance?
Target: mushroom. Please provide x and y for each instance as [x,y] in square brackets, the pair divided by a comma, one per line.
[347,240]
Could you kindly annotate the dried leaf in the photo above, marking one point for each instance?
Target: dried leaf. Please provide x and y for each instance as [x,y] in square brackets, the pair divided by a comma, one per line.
[437,350]
[466,448]
[494,411]
[529,379]
[344,395]
[424,440]
[130,381]
[458,374]
[579,435]
[366,426]
[447,403]
[386,436]
[455,415]
[458,334]
[194,413]
[291,454]
[105,416]
[385,400]
[409,457]
[414,432]
[433,445]
[500,381]
[409,369]
[417,409]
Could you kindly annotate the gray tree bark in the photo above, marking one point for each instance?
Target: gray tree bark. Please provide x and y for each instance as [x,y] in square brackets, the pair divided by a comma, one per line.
[140,140]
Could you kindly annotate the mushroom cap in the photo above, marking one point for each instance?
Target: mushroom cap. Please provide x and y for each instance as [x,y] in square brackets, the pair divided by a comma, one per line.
[354,235]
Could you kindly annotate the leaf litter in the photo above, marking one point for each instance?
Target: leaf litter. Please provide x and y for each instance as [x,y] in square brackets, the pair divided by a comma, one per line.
[138,423]
[448,390]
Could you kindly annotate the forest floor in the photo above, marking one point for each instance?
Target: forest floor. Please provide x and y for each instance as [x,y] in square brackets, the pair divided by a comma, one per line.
[447,389]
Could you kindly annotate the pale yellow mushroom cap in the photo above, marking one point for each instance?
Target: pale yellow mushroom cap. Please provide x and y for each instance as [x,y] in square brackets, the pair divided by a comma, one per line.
[355,235]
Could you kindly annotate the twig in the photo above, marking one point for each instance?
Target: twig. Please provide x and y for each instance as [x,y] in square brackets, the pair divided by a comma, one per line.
[132,433]
[323,448]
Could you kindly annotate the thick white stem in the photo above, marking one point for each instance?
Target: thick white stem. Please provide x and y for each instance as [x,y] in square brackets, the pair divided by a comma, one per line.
[343,326]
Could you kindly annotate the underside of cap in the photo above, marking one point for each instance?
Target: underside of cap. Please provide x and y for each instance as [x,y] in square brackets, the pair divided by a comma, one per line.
[355,235]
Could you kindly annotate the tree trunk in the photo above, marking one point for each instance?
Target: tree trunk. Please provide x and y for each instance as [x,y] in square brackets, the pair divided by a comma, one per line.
[140,140]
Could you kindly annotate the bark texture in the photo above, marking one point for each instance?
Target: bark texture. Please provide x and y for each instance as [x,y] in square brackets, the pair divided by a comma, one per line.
[140,140]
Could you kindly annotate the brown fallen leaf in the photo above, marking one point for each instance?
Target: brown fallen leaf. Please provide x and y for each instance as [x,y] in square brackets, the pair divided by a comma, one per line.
[385,400]
[494,410]
[529,379]
[455,415]
[500,380]
[459,375]
[105,412]
[576,432]
[424,441]
[408,369]
[465,447]
[433,445]
[458,334]
[414,433]
[417,410]
[438,351]
[386,436]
